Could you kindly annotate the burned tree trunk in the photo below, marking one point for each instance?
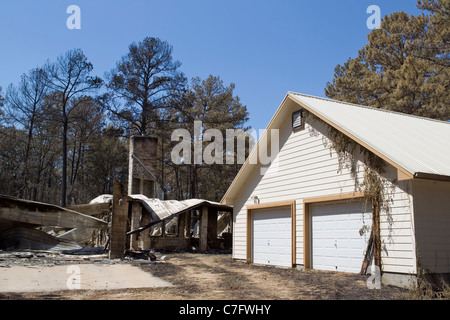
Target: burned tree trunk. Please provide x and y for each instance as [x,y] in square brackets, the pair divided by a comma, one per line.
[376,232]
[373,251]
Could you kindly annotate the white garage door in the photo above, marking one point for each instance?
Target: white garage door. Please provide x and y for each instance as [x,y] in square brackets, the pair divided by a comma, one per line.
[336,241]
[271,236]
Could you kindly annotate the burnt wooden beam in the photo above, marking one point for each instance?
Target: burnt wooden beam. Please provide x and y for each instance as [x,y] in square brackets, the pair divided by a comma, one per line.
[140,229]
[91,209]
[62,218]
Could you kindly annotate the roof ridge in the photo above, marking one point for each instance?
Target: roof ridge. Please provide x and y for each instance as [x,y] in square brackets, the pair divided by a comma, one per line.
[371,108]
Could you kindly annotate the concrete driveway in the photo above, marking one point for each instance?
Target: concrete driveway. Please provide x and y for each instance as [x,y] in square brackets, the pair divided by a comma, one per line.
[42,278]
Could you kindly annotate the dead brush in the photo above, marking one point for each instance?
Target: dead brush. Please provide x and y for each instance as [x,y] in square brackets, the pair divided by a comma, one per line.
[234,282]
[445,293]
[425,290]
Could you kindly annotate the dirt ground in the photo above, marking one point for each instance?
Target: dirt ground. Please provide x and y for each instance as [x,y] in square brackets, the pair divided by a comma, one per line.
[197,276]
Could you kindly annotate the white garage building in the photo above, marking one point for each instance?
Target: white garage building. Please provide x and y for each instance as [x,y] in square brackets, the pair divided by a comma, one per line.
[307,207]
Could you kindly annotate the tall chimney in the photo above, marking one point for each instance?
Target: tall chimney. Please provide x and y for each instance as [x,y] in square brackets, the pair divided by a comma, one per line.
[142,166]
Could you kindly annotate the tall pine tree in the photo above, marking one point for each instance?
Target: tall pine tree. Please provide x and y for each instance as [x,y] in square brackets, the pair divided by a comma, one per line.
[405,66]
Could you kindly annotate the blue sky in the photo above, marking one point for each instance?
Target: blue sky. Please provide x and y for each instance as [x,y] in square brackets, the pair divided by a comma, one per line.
[265,47]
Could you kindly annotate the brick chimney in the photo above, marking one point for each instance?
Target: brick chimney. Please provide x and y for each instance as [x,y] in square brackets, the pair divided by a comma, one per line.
[142,166]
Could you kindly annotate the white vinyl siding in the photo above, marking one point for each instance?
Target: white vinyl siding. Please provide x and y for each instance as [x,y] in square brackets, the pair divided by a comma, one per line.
[306,168]
[396,227]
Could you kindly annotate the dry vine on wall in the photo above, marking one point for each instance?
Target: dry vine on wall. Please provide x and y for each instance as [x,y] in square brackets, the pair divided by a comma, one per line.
[372,185]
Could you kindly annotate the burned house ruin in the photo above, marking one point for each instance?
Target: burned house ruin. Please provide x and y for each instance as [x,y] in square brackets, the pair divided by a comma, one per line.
[136,219]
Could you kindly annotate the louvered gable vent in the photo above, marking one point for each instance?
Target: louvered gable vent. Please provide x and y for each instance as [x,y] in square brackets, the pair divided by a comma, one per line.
[297,120]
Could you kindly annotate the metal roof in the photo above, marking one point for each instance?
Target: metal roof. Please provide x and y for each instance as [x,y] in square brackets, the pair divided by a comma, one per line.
[164,209]
[416,144]
[161,210]
[36,213]
[418,147]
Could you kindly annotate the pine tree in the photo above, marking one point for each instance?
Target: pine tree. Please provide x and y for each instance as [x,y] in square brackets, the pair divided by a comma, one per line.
[142,81]
[405,66]
[212,104]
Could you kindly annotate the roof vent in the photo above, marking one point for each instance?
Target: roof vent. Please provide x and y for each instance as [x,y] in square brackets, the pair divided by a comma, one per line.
[297,120]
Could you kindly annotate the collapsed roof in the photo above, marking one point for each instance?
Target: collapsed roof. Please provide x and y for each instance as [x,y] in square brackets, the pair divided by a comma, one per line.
[20,218]
[161,210]
[33,213]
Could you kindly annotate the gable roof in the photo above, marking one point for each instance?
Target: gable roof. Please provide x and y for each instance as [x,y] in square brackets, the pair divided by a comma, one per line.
[418,147]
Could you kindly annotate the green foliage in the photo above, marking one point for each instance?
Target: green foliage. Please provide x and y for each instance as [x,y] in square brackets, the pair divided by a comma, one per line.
[405,66]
